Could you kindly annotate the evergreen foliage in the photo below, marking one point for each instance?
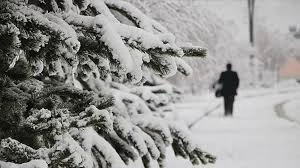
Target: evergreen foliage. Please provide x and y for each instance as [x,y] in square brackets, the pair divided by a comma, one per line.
[81,86]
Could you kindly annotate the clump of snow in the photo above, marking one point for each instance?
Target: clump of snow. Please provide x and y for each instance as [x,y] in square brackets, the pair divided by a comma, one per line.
[31,164]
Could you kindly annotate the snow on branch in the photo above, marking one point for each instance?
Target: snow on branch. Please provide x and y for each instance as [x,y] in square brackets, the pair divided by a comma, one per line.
[194,51]
[147,41]
[183,67]
[134,14]
[105,31]
[31,164]
[185,147]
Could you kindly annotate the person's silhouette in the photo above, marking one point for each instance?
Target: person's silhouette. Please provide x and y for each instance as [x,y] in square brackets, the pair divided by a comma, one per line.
[230,82]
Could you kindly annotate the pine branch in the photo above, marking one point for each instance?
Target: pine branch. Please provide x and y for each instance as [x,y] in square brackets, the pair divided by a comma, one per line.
[194,51]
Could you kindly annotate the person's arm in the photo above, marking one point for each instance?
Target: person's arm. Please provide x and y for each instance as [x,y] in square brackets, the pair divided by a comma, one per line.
[237,80]
[221,79]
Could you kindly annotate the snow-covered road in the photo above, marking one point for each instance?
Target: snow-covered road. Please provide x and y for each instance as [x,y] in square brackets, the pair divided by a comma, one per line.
[258,136]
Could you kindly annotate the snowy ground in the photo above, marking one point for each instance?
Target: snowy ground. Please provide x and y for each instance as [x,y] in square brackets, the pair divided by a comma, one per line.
[264,132]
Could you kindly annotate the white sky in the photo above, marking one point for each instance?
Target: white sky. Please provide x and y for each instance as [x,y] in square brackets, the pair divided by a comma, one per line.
[277,14]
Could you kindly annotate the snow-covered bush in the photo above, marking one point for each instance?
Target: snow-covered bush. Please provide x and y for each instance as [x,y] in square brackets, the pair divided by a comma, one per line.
[81,86]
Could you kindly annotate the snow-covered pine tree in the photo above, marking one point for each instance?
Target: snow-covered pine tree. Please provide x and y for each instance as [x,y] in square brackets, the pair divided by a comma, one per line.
[80,86]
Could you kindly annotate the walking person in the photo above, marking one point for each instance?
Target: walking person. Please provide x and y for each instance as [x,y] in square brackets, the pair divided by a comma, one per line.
[230,82]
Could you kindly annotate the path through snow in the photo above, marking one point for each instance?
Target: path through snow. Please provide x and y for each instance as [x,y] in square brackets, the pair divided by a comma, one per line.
[256,137]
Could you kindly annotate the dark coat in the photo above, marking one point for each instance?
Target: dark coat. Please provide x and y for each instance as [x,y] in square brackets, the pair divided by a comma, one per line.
[230,82]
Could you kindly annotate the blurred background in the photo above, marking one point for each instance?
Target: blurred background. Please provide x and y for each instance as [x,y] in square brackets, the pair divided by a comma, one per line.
[222,26]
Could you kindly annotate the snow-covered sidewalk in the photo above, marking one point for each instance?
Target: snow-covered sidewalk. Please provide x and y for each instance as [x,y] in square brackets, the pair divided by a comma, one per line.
[256,137]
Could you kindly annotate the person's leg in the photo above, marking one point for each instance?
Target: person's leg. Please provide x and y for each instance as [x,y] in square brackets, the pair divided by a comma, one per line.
[230,104]
[226,105]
